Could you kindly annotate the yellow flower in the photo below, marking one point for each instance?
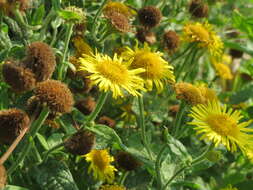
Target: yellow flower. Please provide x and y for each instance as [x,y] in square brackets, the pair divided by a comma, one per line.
[203,34]
[81,46]
[119,8]
[112,187]
[229,187]
[223,71]
[194,94]
[112,74]
[157,70]
[101,165]
[249,154]
[220,125]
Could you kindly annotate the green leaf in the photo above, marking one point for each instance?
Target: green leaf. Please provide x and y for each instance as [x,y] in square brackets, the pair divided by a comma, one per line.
[54,175]
[12,187]
[38,16]
[242,95]
[55,139]
[69,15]
[238,46]
[43,141]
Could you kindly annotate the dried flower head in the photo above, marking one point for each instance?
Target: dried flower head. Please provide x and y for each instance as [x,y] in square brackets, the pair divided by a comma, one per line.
[40,60]
[126,161]
[55,94]
[119,22]
[20,79]
[149,16]
[198,8]
[236,53]
[171,41]
[104,120]
[8,6]
[12,122]
[3,176]
[144,35]
[86,106]
[112,7]
[80,143]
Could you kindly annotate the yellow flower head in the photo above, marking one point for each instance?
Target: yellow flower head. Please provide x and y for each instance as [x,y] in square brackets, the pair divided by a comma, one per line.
[229,187]
[119,8]
[112,74]
[112,187]
[220,125]
[223,71]
[81,46]
[203,34]
[100,164]
[194,94]
[157,70]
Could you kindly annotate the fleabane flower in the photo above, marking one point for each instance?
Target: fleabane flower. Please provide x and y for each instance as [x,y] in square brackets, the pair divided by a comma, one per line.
[100,165]
[112,74]
[157,70]
[222,68]
[204,35]
[221,125]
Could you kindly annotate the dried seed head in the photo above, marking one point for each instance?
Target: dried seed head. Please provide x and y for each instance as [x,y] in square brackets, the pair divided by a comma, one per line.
[20,79]
[104,120]
[145,36]
[235,53]
[12,122]
[171,41]
[149,16]
[119,22]
[198,9]
[86,106]
[126,161]
[41,60]
[3,176]
[55,94]
[8,6]
[80,143]
[173,110]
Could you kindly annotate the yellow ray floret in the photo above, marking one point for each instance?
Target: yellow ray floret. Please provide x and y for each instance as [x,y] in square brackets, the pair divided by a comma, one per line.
[157,70]
[100,165]
[112,74]
[203,34]
[220,125]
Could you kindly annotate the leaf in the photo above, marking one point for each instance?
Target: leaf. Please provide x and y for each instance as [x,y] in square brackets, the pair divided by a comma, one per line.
[55,139]
[54,175]
[43,141]
[12,187]
[38,16]
[69,15]
[242,95]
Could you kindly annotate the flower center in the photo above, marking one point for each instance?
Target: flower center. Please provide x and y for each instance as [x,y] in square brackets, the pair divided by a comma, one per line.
[223,124]
[199,32]
[100,160]
[113,71]
[151,63]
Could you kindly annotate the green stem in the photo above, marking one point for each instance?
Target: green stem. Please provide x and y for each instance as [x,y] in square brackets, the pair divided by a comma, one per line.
[194,162]
[99,106]
[123,178]
[178,119]
[181,54]
[158,166]
[46,23]
[93,29]
[143,127]
[66,45]
[29,140]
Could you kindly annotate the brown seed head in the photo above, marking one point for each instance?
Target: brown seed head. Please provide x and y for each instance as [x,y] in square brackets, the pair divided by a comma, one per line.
[198,8]
[20,79]
[149,16]
[80,143]
[174,109]
[235,53]
[12,122]
[41,60]
[3,176]
[126,161]
[86,106]
[119,22]
[171,41]
[104,120]
[55,94]
[145,36]
[8,6]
